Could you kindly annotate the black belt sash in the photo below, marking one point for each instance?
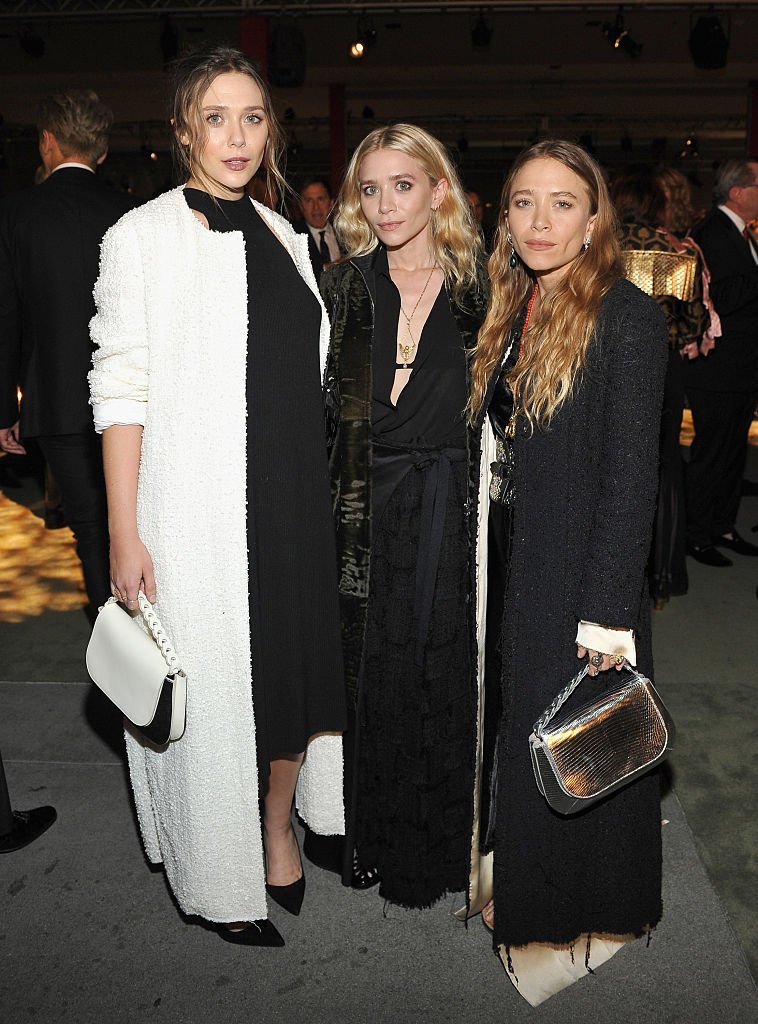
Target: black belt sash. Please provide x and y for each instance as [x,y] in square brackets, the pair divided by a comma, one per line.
[391,462]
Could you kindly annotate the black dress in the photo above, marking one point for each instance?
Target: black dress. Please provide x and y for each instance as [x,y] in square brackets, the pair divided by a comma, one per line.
[297,673]
[415,708]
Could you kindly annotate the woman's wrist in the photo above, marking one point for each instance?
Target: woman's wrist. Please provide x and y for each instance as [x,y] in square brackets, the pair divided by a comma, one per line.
[123,533]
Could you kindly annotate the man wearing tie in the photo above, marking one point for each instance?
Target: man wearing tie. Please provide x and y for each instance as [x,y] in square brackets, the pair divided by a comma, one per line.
[722,388]
[316,205]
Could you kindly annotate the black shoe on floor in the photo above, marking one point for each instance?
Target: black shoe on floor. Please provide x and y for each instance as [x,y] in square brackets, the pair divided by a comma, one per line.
[289,897]
[708,555]
[326,852]
[363,878]
[27,826]
[257,933]
[738,544]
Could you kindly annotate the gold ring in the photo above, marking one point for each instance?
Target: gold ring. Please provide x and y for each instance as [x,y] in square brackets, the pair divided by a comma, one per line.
[596,660]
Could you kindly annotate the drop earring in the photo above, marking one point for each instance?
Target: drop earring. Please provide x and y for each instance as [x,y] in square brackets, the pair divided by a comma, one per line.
[512,259]
[586,243]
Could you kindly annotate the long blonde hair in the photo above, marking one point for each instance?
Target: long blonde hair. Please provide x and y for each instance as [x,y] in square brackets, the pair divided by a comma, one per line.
[554,349]
[193,76]
[455,240]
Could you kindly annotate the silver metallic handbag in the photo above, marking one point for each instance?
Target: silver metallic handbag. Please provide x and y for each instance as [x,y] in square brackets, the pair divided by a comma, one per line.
[602,745]
[139,672]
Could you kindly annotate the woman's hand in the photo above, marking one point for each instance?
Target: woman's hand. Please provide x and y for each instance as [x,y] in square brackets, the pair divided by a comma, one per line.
[600,662]
[131,570]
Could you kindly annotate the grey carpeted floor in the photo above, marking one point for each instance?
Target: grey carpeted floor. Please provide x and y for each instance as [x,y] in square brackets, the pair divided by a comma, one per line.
[89,932]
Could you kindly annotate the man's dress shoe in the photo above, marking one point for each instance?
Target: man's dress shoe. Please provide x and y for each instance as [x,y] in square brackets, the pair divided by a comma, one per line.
[738,544]
[708,555]
[27,826]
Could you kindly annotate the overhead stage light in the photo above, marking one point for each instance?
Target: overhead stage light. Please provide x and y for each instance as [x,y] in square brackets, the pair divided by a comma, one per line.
[617,35]
[31,42]
[481,33]
[365,37]
[690,149]
[709,41]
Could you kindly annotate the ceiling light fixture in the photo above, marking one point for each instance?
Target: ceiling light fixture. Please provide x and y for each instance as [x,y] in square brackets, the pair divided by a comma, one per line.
[618,36]
[709,40]
[481,32]
[365,37]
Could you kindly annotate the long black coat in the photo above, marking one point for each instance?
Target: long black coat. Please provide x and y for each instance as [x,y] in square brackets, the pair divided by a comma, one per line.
[585,497]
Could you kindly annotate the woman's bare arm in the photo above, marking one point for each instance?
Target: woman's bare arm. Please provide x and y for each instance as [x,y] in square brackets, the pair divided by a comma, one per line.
[130,562]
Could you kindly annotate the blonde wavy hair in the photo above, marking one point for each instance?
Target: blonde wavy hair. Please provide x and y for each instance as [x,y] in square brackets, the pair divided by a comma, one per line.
[554,349]
[456,245]
[193,76]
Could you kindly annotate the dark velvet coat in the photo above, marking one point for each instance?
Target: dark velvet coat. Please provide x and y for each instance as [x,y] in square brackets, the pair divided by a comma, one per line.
[349,291]
[585,497]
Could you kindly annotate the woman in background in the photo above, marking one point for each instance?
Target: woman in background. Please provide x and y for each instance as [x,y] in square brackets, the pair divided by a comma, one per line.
[671,270]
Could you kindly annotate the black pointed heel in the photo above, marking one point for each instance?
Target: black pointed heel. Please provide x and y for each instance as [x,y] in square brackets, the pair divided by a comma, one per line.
[289,897]
[257,933]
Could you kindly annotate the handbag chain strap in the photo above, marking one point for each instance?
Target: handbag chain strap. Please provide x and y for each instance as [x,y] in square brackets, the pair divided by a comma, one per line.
[549,713]
[158,632]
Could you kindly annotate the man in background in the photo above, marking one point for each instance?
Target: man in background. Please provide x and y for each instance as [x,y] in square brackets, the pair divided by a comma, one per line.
[49,253]
[316,205]
[722,388]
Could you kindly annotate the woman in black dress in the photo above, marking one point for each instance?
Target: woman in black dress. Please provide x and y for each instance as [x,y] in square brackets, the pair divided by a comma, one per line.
[671,271]
[406,304]
[191,252]
[567,382]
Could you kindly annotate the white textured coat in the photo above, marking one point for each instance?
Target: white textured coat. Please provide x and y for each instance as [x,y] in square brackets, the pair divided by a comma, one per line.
[171,331]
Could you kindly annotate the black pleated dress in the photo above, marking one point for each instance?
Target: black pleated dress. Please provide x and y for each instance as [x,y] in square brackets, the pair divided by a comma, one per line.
[298,687]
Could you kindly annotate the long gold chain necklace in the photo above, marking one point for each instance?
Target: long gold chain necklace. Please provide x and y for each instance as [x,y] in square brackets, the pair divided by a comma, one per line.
[408,351]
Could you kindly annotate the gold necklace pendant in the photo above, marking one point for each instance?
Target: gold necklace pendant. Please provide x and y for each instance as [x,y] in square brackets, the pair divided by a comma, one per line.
[407,352]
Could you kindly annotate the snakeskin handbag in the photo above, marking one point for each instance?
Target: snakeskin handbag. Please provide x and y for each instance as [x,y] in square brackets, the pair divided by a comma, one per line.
[138,671]
[583,756]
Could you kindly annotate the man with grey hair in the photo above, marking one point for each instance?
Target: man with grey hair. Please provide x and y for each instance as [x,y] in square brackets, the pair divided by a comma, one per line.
[722,388]
[50,238]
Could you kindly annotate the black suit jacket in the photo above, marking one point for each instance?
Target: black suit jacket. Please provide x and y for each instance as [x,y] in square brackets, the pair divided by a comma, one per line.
[317,263]
[733,363]
[49,254]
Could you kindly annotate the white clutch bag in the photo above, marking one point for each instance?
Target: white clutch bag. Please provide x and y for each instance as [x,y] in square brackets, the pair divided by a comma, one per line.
[139,672]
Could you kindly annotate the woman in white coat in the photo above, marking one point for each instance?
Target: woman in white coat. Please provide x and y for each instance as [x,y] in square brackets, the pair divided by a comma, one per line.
[206,384]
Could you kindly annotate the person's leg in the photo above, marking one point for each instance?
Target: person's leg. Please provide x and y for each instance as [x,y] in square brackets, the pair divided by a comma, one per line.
[282,855]
[76,462]
[708,454]
[738,415]
[19,828]
[6,811]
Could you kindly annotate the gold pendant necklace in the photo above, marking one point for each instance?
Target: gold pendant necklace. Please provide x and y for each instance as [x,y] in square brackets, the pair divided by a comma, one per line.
[408,352]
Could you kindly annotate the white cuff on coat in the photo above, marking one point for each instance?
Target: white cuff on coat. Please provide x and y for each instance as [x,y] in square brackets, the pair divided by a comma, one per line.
[607,641]
[122,412]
